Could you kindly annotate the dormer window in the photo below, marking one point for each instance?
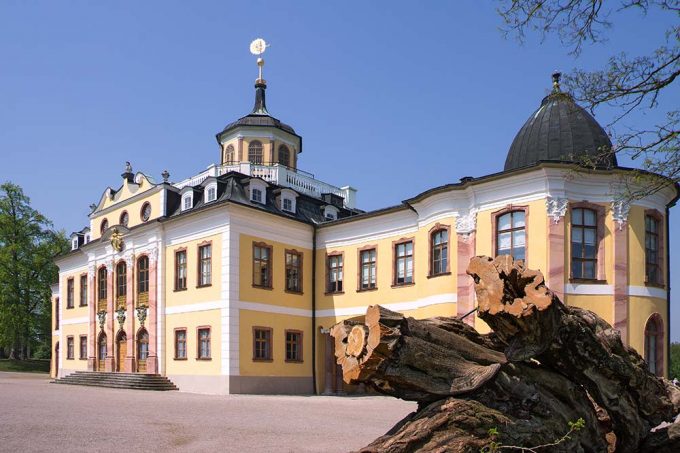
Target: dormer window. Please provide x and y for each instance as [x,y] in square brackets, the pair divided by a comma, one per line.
[87,238]
[288,204]
[187,201]
[74,243]
[256,195]
[330,213]
[211,193]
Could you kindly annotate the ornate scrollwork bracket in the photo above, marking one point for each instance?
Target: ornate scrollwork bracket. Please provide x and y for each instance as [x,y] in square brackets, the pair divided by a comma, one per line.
[141,314]
[557,208]
[120,315]
[101,316]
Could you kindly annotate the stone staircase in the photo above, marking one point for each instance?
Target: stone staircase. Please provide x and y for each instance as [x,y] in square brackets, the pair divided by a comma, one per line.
[136,381]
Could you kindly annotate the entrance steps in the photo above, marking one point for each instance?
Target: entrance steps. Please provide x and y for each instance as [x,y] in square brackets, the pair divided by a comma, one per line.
[136,381]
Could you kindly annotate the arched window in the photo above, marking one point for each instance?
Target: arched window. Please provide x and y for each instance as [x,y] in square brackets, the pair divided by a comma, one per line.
[143,276]
[101,351]
[124,219]
[284,155]
[584,243]
[511,234]
[229,155]
[103,227]
[121,282]
[439,252]
[654,344]
[255,152]
[142,349]
[102,284]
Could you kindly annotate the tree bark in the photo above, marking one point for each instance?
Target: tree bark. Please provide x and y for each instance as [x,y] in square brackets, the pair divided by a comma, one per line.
[530,377]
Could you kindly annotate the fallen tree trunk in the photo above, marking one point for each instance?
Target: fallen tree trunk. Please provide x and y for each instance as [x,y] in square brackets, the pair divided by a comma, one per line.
[527,380]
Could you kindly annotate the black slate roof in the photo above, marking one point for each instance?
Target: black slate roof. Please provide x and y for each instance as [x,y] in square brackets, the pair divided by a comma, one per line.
[560,131]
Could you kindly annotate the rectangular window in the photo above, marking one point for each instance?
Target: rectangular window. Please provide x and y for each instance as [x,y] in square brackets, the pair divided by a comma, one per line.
[287,204]
[403,263]
[262,343]
[180,344]
[652,267]
[204,343]
[205,265]
[102,281]
[334,281]
[293,346]
[83,347]
[511,234]
[188,201]
[180,270]
[70,296]
[262,266]
[69,348]
[293,271]
[367,266]
[257,195]
[143,275]
[584,243]
[439,252]
[83,290]
[212,193]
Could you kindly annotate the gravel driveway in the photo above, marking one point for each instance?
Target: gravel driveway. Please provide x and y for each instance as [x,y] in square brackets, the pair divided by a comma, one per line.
[38,416]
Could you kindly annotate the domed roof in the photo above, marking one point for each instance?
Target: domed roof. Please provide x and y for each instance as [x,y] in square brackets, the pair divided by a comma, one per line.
[259,116]
[560,131]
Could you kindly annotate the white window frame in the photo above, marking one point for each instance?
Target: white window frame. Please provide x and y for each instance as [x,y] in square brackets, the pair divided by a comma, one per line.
[87,238]
[291,196]
[74,243]
[258,184]
[212,186]
[283,205]
[185,197]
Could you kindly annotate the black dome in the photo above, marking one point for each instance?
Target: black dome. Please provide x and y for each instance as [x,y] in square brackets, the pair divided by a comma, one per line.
[259,116]
[560,131]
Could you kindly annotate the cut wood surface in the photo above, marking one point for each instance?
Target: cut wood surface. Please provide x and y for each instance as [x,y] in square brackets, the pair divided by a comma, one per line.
[544,365]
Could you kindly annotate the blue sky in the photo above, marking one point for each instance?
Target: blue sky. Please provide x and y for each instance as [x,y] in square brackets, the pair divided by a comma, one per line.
[391,97]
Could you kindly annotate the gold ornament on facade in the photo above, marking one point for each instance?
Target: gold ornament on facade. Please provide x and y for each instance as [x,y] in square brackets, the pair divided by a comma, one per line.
[116,240]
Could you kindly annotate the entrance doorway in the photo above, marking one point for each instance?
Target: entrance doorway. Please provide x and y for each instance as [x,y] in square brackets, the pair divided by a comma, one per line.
[121,343]
[101,352]
[142,350]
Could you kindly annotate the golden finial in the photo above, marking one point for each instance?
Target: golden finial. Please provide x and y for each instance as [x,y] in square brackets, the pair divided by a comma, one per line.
[556,81]
[257,47]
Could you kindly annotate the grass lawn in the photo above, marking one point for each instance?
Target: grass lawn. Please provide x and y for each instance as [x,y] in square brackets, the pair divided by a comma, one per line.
[25,366]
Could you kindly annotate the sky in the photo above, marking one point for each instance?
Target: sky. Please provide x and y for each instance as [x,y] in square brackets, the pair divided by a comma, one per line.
[391,97]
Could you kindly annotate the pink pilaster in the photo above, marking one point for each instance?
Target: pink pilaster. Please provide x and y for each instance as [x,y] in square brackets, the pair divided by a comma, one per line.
[152,359]
[621,279]
[109,364]
[556,271]
[465,285]
[92,316]
[130,317]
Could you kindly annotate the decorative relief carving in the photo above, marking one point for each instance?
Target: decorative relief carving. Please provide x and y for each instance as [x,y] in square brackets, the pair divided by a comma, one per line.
[466,224]
[129,260]
[101,316]
[153,255]
[91,272]
[120,315]
[116,240]
[620,211]
[141,315]
[557,208]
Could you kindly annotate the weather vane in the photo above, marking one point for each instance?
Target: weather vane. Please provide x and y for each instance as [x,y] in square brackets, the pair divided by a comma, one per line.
[257,47]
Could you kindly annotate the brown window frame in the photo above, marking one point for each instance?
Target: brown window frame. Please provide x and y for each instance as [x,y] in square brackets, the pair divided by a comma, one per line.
[82,350]
[659,264]
[102,288]
[121,283]
[253,148]
[83,291]
[186,350]
[70,348]
[286,150]
[600,276]
[200,282]
[199,356]
[268,341]
[56,313]
[395,262]
[360,268]
[120,219]
[103,225]
[495,217]
[143,278]
[299,267]
[579,259]
[333,287]
[659,353]
[181,285]
[229,155]
[141,211]
[438,228]
[300,358]
[269,264]
[70,293]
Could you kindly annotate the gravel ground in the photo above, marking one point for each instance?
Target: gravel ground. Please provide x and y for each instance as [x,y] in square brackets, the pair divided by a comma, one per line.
[38,416]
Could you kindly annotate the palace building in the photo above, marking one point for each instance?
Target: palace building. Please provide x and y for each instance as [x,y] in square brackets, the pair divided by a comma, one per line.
[228,281]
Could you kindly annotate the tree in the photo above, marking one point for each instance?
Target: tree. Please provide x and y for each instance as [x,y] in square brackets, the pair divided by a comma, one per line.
[627,84]
[674,371]
[27,249]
